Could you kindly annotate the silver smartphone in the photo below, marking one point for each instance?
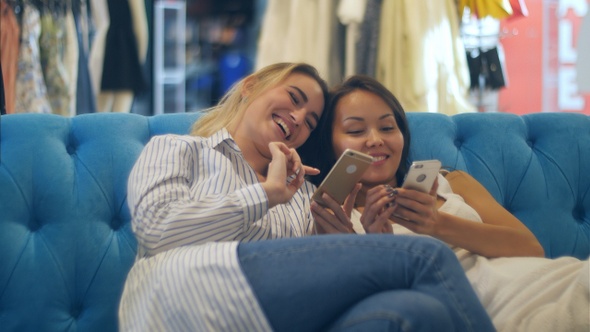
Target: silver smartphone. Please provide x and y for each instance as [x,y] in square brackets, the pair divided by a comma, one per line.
[347,171]
[421,175]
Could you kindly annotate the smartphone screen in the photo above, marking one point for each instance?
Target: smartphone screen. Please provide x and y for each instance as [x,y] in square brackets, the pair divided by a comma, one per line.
[341,179]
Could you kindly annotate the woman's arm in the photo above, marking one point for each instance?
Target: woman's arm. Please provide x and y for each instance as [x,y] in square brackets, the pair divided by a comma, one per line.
[500,235]
[180,193]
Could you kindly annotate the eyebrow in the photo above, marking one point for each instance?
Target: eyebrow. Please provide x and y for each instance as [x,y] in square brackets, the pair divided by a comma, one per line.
[357,118]
[303,95]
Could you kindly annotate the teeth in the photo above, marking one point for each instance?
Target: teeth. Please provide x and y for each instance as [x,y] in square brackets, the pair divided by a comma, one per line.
[379,158]
[283,125]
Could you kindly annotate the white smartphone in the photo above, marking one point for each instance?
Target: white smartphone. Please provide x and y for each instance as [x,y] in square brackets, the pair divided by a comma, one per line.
[421,175]
[347,171]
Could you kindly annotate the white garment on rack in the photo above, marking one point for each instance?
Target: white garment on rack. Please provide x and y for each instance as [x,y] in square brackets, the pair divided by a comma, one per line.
[71,57]
[140,27]
[301,31]
[101,21]
[421,58]
[583,61]
[351,14]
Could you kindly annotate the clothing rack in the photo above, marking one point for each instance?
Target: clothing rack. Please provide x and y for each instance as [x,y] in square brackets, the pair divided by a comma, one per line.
[60,93]
[57,6]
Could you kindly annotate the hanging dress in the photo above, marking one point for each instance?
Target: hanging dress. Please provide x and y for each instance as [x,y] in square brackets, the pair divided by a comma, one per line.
[421,56]
[368,41]
[99,27]
[70,59]
[9,44]
[31,92]
[122,68]
[51,48]
[302,31]
[85,98]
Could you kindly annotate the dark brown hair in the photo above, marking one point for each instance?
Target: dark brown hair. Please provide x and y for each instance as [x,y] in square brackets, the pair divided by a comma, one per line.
[318,151]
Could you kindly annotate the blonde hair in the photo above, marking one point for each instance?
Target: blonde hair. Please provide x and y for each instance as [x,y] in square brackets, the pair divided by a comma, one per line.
[230,108]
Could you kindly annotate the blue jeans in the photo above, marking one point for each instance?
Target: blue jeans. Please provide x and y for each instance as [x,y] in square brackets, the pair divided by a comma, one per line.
[362,283]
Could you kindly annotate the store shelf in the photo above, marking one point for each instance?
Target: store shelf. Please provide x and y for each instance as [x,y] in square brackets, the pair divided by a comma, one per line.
[169,56]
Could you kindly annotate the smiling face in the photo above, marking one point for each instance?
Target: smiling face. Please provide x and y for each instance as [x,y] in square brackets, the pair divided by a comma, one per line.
[364,122]
[287,113]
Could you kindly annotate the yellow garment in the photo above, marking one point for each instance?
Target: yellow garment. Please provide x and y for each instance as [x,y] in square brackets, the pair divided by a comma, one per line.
[481,8]
[421,56]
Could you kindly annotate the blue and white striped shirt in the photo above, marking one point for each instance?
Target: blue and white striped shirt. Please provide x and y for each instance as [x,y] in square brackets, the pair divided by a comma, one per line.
[192,199]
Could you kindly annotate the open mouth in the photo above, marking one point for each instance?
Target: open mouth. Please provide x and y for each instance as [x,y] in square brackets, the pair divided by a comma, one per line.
[283,125]
[377,159]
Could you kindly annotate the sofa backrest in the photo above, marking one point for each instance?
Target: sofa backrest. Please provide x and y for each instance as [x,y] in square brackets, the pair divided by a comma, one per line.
[65,239]
[536,165]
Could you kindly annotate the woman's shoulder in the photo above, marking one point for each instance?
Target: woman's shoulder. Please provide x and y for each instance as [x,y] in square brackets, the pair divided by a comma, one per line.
[450,175]
[467,186]
[171,139]
[460,178]
[182,144]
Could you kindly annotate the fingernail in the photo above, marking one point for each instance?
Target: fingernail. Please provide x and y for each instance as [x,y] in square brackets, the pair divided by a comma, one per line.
[388,188]
[393,192]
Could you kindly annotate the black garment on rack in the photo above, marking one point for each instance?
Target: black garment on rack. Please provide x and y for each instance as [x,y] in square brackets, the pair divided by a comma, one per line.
[85,99]
[121,69]
[486,64]
[368,43]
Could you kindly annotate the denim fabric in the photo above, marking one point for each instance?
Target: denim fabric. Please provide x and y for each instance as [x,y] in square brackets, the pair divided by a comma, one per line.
[353,282]
[396,310]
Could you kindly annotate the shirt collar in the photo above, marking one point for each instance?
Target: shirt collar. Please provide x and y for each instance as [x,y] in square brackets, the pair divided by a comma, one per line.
[223,136]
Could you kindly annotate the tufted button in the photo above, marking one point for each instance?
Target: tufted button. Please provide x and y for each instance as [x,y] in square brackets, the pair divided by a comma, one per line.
[530,143]
[458,143]
[71,149]
[117,223]
[579,213]
[76,311]
[34,225]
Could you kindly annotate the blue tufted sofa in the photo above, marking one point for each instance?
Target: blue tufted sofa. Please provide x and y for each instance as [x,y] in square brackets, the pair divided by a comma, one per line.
[65,238]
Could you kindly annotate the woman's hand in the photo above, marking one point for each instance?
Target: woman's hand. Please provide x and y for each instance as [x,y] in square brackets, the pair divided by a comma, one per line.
[417,211]
[333,218]
[285,163]
[379,205]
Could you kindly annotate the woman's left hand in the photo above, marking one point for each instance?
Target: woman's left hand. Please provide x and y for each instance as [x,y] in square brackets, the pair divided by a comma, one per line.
[417,211]
[378,207]
[334,218]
